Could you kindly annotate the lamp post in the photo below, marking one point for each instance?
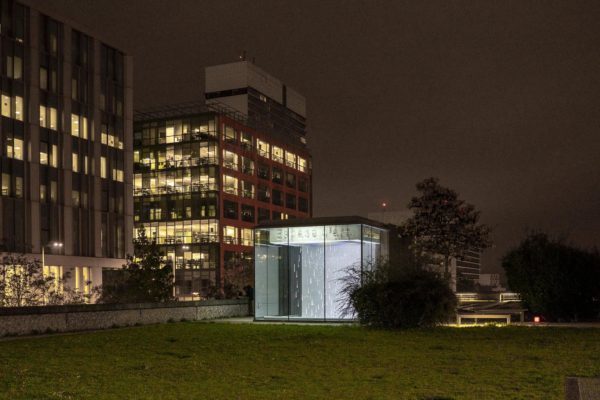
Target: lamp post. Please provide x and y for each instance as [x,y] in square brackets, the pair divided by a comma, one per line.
[52,245]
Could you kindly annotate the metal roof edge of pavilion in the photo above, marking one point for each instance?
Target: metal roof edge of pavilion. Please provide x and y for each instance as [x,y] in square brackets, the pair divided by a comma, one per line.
[341,220]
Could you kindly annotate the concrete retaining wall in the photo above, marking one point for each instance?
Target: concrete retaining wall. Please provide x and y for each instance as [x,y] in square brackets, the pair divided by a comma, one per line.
[31,320]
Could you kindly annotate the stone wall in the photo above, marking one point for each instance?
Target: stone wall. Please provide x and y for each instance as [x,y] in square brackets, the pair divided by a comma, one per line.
[31,320]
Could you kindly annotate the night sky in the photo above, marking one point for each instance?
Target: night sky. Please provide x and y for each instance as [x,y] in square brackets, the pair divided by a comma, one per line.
[500,100]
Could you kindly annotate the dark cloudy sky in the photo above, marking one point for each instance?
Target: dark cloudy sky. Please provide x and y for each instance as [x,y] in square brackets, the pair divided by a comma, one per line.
[499,99]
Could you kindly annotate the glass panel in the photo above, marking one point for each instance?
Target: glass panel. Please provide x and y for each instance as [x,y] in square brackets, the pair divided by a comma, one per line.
[271,273]
[307,272]
[342,250]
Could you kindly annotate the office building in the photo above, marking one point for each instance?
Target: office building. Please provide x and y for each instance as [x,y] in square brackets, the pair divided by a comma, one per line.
[300,265]
[205,174]
[466,270]
[66,146]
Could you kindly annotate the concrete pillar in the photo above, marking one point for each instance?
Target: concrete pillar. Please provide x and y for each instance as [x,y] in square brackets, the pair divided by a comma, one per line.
[33,123]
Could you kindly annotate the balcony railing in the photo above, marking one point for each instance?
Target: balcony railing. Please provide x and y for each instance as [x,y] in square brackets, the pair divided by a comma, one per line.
[167,189]
[196,264]
[231,240]
[197,237]
[187,162]
[230,165]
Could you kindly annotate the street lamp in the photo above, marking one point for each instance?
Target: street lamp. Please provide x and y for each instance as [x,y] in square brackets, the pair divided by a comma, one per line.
[51,245]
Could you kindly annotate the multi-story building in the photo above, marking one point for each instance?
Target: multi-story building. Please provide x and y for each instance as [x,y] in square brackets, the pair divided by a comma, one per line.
[204,176]
[466,270]
[65,153]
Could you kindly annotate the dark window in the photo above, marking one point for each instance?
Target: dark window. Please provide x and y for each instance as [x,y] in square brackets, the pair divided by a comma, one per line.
[276,215]
[303,185]
[247,213]
[302,204]
[263,214]
[230,209]
[277,175]
[290,201]
[263,171]
[277,197]
[263,193]
[290,180]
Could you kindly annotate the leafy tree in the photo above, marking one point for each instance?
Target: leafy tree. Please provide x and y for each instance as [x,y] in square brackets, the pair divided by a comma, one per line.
[23,283]
[556,280]
[444,225]
[396,295]
[145,278]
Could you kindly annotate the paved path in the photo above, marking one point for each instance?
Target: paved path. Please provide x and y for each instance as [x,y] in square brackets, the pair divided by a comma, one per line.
[582,388]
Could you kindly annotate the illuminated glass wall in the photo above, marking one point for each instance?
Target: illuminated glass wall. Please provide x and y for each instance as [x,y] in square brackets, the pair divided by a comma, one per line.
[299,271]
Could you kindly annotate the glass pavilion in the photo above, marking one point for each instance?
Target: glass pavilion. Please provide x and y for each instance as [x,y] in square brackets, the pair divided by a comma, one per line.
[300,265]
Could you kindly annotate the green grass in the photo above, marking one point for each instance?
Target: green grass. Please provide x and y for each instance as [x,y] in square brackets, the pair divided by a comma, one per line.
[226,361]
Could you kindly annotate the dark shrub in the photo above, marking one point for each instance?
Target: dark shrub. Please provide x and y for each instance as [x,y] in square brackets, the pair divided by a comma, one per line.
[557,280]
[400,296]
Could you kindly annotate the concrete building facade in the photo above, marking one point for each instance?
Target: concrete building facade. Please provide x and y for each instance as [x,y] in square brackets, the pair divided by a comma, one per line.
[66,156]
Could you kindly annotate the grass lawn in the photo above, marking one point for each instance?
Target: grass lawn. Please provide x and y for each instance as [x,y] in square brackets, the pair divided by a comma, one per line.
[225,361]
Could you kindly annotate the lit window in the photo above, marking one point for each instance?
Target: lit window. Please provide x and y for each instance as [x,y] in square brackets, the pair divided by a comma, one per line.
[230,160]
[53,121]
[247,237]
[18,149]
[84,128]
[75,125]
[54,156]
[43,153]
[290,159]
[5,184]
[230,234]
[19,108]
[263,148]
[230,184]
[6,106]
[229,135]
[75,162]
[42,116]
[103,167]
[277,154]
[301,164]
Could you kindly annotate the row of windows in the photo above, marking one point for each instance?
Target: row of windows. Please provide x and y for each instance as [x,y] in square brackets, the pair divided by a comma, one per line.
[181,232]
[184,155]
[187,180]
[176,131]
[265,149]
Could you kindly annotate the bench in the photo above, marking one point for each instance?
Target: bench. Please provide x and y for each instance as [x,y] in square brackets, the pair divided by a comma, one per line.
[477,317]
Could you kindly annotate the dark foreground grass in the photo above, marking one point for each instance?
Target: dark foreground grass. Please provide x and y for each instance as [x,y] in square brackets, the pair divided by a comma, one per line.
[223,361]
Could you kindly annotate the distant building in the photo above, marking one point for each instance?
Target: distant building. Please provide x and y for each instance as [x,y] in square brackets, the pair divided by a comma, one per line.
[205,175]
[464,271]
[66,146]
[491,282]
[264,99]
